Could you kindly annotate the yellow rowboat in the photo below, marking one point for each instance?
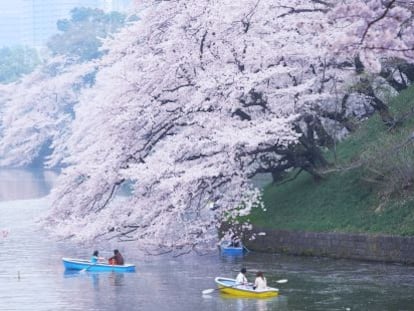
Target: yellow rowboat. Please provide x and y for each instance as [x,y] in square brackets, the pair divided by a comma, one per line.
[230,287]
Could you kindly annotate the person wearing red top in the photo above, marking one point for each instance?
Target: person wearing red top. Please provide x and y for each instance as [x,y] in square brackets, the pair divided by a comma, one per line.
[116,259]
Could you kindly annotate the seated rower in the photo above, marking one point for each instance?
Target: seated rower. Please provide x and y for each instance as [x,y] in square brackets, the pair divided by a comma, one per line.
[95,257]
[241,277]
[116,259]
[235,241]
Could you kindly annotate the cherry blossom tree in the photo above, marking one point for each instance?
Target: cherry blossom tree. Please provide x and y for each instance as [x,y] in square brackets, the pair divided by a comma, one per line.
[190,103]
[379,35]
[37,112]
[374,30]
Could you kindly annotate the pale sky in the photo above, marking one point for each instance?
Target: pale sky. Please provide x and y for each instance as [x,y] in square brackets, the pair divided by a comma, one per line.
[7,6]
[9,16]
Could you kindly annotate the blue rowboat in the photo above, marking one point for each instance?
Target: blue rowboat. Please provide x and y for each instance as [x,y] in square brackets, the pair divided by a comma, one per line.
[86,265]
[228,249]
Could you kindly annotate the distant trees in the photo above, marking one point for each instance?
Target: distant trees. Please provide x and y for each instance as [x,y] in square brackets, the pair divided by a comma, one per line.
[81,35]
[37,112]
[17,61]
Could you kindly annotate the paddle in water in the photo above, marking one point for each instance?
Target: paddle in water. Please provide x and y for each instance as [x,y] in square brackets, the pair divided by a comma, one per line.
[283,281]
[211,290]
[86,269]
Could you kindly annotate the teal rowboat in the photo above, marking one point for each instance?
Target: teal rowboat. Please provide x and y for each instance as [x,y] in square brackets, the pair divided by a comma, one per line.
[86,265]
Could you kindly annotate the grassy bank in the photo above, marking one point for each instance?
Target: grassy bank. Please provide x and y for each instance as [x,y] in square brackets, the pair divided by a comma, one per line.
[351,198]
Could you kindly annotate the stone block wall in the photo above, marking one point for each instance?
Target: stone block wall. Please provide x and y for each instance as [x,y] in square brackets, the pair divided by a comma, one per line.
[386,248]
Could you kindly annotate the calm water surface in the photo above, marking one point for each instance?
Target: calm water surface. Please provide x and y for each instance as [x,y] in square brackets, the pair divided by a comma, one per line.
[32,275]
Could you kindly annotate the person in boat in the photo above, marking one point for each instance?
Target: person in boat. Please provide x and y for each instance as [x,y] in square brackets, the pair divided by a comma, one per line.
[235,241]
[95,257]
[241,277]
[116,259]
[260,282]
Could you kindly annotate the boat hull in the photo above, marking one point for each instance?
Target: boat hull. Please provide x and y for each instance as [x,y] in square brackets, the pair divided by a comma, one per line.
[80,264]
[226,249]
[228,286]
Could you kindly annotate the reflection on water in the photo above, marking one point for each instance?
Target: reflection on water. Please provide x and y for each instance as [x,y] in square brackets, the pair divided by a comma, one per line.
[25,184]
[262,304]
[32,277]
[114,278]
[117,279]
[95,280]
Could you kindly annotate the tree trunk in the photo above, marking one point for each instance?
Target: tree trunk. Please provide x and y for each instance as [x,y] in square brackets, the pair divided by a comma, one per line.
[382,108]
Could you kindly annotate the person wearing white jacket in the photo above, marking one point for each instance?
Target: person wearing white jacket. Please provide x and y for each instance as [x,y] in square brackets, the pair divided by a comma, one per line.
[241,277]
[260,282]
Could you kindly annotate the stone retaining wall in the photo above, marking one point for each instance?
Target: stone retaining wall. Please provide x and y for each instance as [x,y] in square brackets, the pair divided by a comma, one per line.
[385,248]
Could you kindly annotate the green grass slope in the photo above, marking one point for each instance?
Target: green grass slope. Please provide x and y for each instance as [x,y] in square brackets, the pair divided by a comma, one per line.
[345,200]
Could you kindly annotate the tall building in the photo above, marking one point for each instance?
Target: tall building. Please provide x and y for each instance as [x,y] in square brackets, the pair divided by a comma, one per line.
[10,26]
[32,22]
[116,5]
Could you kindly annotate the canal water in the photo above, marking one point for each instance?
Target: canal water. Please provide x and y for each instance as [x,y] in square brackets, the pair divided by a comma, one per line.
[32,276]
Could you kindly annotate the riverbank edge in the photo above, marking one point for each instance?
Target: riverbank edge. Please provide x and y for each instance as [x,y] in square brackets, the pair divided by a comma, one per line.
[370,247]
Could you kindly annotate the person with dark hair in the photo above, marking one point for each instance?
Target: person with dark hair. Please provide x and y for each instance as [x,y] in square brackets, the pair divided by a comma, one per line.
[241,277]
[235,241]
[260,282]
[116,259]
[95,257]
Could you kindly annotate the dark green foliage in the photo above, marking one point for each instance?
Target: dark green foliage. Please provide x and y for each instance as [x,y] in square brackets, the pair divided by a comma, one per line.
[388,161]
[81,35]
[16,61]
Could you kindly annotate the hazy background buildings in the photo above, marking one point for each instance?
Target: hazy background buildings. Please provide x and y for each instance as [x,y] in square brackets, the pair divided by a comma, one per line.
[32,22]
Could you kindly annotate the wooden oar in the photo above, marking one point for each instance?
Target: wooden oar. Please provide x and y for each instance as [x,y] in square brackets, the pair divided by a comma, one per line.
[211,290]
[282,281]
[86,269]
[247,250]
